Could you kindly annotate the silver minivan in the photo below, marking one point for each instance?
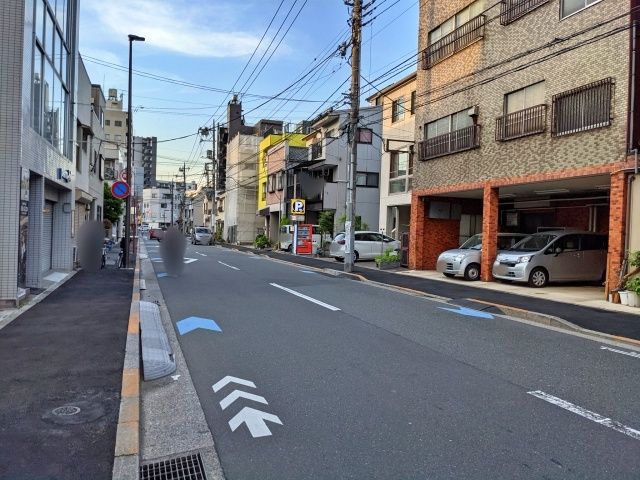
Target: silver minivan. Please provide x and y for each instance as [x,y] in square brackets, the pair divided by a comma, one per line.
[465,261]
[554,256]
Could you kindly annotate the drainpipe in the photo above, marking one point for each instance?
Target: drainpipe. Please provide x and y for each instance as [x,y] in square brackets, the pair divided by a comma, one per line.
[632,93]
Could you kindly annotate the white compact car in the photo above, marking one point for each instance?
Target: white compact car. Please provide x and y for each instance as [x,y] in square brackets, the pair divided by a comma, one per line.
[368,245]
[202,236]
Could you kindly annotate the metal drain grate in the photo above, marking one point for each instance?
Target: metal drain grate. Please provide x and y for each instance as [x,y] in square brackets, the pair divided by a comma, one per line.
[180,468]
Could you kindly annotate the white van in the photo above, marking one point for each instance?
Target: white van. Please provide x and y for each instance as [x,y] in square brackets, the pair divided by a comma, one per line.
[285,238]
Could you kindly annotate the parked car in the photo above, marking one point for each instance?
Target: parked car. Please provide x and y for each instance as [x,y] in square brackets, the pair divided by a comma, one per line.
[202,236]
[465,261]
[368,245]
[156,234]
[554,256]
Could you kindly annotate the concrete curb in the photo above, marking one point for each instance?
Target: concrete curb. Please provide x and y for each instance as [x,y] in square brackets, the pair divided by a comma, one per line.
[126,461]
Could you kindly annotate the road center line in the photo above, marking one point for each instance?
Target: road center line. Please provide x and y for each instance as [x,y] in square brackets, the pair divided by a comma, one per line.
[226,265]
[301,295]
[623,352]
[588,414]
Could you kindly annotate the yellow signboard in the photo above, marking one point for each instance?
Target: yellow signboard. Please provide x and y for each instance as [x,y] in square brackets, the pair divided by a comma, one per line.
[297,206]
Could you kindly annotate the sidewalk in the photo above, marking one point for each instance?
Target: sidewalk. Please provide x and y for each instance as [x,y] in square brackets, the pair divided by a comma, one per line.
[61,380]
[611,321]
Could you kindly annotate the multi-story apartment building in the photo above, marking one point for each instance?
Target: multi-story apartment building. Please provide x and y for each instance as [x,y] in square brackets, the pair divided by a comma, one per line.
[115,133]
[89,193]
[522,123]
[161,205]
[398,138]
[38,70]
[278,161]
[236,174]
[145,158]
[323,181]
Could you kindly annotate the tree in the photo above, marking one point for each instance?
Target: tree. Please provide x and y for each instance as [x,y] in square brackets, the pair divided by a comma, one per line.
[113,207]
[325,221]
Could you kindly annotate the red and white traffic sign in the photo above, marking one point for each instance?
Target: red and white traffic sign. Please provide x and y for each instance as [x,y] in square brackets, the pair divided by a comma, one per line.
[120,190]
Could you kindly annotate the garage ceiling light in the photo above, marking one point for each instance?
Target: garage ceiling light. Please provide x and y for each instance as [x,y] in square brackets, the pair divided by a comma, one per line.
[507,195]
[551,191]
[603,187]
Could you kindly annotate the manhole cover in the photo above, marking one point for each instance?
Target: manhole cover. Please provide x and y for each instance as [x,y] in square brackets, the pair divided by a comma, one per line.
[81,411]
[65,411]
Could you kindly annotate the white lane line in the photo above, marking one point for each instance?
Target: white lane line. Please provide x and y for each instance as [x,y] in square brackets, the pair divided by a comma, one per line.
[588,414]
[201,254]
[623,352]
[297,294]
[308,271]
[226,265]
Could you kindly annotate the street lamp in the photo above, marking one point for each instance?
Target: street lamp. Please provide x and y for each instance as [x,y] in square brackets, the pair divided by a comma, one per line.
[127,224]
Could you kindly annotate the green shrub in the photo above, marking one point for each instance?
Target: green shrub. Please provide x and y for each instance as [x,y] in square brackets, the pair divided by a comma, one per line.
[634,258]
[633,285]
[262,241]
[389,256]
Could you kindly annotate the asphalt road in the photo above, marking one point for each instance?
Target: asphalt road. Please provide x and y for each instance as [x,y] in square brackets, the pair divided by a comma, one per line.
[373,383]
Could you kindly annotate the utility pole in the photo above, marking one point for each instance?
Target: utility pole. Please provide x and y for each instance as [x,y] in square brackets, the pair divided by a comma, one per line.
[172,202]
[356,31]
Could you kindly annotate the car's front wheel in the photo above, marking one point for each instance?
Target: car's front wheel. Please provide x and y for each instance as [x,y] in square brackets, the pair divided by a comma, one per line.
[472,272]
[538,278]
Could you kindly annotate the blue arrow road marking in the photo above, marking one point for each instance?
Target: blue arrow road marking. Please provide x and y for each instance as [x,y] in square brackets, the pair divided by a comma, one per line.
[469,312]
[193,323]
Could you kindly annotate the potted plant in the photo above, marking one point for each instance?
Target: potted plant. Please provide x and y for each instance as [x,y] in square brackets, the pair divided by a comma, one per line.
[633,290]
[388,260]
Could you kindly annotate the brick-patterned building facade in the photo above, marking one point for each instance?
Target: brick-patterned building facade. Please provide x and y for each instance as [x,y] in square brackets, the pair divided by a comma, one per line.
[38,51]
[522,117]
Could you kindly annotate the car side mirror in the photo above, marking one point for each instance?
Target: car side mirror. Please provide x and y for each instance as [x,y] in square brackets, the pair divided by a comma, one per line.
[558,251]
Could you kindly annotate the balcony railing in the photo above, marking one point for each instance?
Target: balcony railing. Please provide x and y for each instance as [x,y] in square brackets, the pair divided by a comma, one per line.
[452,142]
[455,41]
[316,151]
[511,10]
[522,123]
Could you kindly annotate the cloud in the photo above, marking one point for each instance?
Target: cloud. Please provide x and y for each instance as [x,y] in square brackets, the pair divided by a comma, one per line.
[175,26]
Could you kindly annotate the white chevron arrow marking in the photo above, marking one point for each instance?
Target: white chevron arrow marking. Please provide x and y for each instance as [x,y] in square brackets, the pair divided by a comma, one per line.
[236,394]
[255,421]
[228,379]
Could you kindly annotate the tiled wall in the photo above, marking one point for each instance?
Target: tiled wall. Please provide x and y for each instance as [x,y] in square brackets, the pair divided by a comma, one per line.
[21,146]
[11,34]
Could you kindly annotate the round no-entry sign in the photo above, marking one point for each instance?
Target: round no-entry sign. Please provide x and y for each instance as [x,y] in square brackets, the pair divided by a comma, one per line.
[120,190]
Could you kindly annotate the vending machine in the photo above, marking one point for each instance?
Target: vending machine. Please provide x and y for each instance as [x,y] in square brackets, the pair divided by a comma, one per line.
[305,239]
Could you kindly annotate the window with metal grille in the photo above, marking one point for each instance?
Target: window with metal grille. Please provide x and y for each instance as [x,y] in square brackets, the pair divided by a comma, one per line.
[511,10]
[583,108]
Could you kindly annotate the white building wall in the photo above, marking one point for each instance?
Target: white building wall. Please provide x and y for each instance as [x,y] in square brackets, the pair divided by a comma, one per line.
[240,220]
